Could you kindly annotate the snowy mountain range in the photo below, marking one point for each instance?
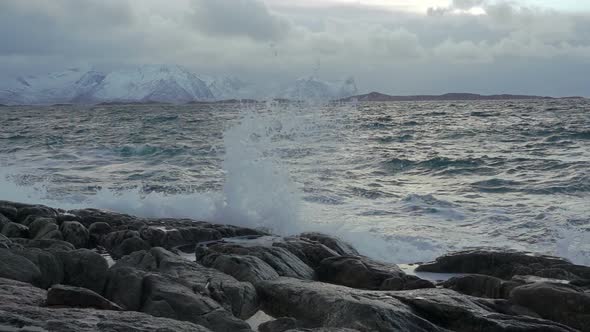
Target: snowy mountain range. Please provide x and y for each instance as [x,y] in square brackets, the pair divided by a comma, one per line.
[156,83]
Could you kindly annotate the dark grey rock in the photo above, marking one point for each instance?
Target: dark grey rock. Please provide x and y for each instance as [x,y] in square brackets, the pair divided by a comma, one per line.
[3,221]
[316,304]
[84,268]
[333,243]
[498,263]
[364,273]
[19,293]
[166,297]
[114,243]
[8,210]
[45,228]
[244,268]
[38,319]
[237,297]
[199,234]
[90,216]
[16,267]
[49,265]
[125,286]
[310,252]
[35,211]
[323,329]
[46,244]
[154,236]
[129,246]
[279,325]
[281,260]
[98,231]
[5,242]
[75,233]
[14,230]
[70,296]
[482,286]
[560,303]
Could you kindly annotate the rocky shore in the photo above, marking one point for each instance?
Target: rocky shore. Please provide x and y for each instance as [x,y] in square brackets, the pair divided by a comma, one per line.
[92,270]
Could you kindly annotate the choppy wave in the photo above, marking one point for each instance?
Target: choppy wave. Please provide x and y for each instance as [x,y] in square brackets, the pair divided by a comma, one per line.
[403,183]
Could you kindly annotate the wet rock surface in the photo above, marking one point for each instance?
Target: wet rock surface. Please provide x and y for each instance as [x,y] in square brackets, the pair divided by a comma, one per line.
[185,275]
[78,297]
[505,264]
[364,273]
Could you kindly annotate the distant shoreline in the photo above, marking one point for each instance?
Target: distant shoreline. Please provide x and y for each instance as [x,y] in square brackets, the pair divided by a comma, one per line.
[368,97]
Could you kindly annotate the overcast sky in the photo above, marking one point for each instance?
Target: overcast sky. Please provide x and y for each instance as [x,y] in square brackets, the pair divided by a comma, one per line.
[393,46]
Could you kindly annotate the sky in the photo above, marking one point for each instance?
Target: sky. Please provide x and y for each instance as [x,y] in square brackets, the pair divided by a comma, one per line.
[391,46]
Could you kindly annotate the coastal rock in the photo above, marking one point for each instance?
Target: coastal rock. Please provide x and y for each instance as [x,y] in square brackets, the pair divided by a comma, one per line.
[244,268]
[69,296]
[8,210]
[310,252]
[46,244]
[122,243]
[154,236]
[19,293]
[281,260]
[16,267]
[199,234]
[4,221]
[97,231]
[75,233]
[482,286]
[125,286]
[45,228]
[497,263]
[14,230]
[339,246]
[90,216]
[84,268]
[38,319]
[5,242]
[323,329]
[165,297]
[279,325]
[317,304]
[34,211]
[364,273]
[237,297]
[128,246]
[560,303]
[50,267]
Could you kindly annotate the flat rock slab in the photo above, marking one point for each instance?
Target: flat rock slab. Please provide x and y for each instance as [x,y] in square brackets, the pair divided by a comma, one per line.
[323,305]
[38,319]
[69,296]
[505,264]
[19,293]
[365,273]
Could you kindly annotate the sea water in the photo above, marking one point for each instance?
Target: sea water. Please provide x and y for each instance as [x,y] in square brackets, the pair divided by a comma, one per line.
[403,182]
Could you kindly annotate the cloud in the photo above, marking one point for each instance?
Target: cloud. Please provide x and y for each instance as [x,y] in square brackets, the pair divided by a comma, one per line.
[249,18]
[264,41]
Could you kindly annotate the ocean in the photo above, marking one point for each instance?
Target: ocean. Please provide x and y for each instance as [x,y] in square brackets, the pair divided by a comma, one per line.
[403,182]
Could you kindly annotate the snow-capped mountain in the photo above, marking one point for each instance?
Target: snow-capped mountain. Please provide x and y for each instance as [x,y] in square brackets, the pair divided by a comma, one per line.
[231,87]
[312,88]
[52,88]
[173,84]
[158,83]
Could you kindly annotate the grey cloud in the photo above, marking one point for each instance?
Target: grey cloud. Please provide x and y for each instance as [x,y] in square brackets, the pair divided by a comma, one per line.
[247,18]
[257,40]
